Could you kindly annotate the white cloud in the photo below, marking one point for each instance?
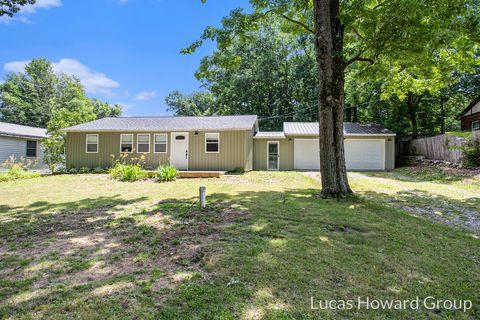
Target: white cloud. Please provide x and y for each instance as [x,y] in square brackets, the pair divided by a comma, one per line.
[126,107]
[94,82]
[41,4]
[146,95]
[30,9]
[15,66]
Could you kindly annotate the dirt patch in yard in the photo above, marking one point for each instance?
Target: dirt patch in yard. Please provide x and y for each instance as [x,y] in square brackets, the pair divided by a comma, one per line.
[107,249]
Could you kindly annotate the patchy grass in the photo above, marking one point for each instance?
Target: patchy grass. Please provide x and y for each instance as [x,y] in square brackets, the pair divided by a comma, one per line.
[90,247]
[451,196]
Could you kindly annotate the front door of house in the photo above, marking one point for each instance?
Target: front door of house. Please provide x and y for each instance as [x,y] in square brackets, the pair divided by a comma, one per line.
[179,150]
[273,156]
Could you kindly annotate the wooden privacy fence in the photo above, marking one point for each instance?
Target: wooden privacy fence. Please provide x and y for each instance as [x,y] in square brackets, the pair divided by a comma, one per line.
[441,147]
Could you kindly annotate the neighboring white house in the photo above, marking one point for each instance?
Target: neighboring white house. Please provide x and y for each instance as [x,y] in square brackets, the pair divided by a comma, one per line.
[23,142]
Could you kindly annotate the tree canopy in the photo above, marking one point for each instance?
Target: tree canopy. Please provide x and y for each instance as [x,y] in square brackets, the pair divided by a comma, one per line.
[403,50]
[38,95]
[10,7]
[268,72]
[41,98]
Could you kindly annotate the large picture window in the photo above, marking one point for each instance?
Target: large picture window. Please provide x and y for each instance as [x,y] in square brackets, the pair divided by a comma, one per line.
[126,143]
[143,143]
[212,142]
[31,148]
[161,143]
[92,143]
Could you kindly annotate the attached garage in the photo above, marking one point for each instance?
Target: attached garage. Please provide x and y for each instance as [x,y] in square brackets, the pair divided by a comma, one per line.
[306,154]
[367,147]
[360,154]
[365,154]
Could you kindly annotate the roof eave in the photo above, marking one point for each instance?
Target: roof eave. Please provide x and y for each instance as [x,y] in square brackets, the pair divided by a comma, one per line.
[153,130]
[11,135]
[470,106]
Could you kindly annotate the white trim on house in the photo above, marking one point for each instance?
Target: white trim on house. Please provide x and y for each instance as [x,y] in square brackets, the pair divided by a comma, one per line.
[126,134]
[218,138]
[268,155]
[138,142]
[86,143]
[155,142]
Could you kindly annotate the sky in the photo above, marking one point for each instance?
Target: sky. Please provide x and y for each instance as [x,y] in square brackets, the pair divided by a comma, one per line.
[123,51]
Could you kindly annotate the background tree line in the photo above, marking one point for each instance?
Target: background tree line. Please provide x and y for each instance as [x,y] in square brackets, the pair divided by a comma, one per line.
[39,97]
[271,72]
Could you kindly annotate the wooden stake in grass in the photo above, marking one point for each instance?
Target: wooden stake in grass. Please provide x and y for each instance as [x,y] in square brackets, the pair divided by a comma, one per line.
[203,197]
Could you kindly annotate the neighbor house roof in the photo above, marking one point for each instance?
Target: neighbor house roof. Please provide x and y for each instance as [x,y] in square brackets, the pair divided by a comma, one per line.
[166,124]
[16,130]
[470,106]
[349,128]
[269,134]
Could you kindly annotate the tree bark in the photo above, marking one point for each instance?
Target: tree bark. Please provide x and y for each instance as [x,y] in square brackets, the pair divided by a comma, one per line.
[331,69]
[412,104]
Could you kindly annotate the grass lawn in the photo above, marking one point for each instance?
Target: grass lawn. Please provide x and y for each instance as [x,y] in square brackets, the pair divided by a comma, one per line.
[86,246]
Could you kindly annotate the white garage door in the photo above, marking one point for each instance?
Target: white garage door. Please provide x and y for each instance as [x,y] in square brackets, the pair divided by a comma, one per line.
[365,154]
[360,154]
[306,155]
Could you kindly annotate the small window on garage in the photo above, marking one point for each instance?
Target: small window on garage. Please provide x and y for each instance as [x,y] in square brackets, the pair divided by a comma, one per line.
[126,143]
[212,142]
[161,143]
[476,125]
[31,148]
[143,143]
[92,143]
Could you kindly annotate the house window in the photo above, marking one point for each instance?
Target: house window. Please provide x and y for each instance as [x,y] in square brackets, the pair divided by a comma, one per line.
[31,148]
[126,143]
[143,143]
[92,143]
[161,143]
[212,142]
[475,125]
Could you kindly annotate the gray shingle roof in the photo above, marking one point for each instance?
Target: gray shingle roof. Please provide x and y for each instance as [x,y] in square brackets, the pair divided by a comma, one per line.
[166,124]
[349,128]
[16,130]
[270,134]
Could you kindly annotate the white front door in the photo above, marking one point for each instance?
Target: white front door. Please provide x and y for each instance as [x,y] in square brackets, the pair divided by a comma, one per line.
[179,150]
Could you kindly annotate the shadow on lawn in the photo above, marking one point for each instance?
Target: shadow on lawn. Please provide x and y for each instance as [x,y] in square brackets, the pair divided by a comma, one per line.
[292,247]
[251,254]
[425,174]
[462,213]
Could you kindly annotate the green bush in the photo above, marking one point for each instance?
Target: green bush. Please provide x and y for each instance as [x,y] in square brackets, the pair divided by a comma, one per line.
[17,172]
[127,172]
[73,170]
[98,170]
[84,170]
[471,153]
[61,170]
[166,173]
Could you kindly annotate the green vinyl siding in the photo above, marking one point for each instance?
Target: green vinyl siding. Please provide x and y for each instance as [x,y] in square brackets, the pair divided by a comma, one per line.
[108,145]
[232,154]
[260,153]
[235,151]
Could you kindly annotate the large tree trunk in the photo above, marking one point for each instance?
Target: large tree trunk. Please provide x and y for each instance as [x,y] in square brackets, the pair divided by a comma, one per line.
[412,104]
[331,69]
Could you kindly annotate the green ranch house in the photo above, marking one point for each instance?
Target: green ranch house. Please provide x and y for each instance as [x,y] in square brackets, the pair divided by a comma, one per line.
[222,143]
